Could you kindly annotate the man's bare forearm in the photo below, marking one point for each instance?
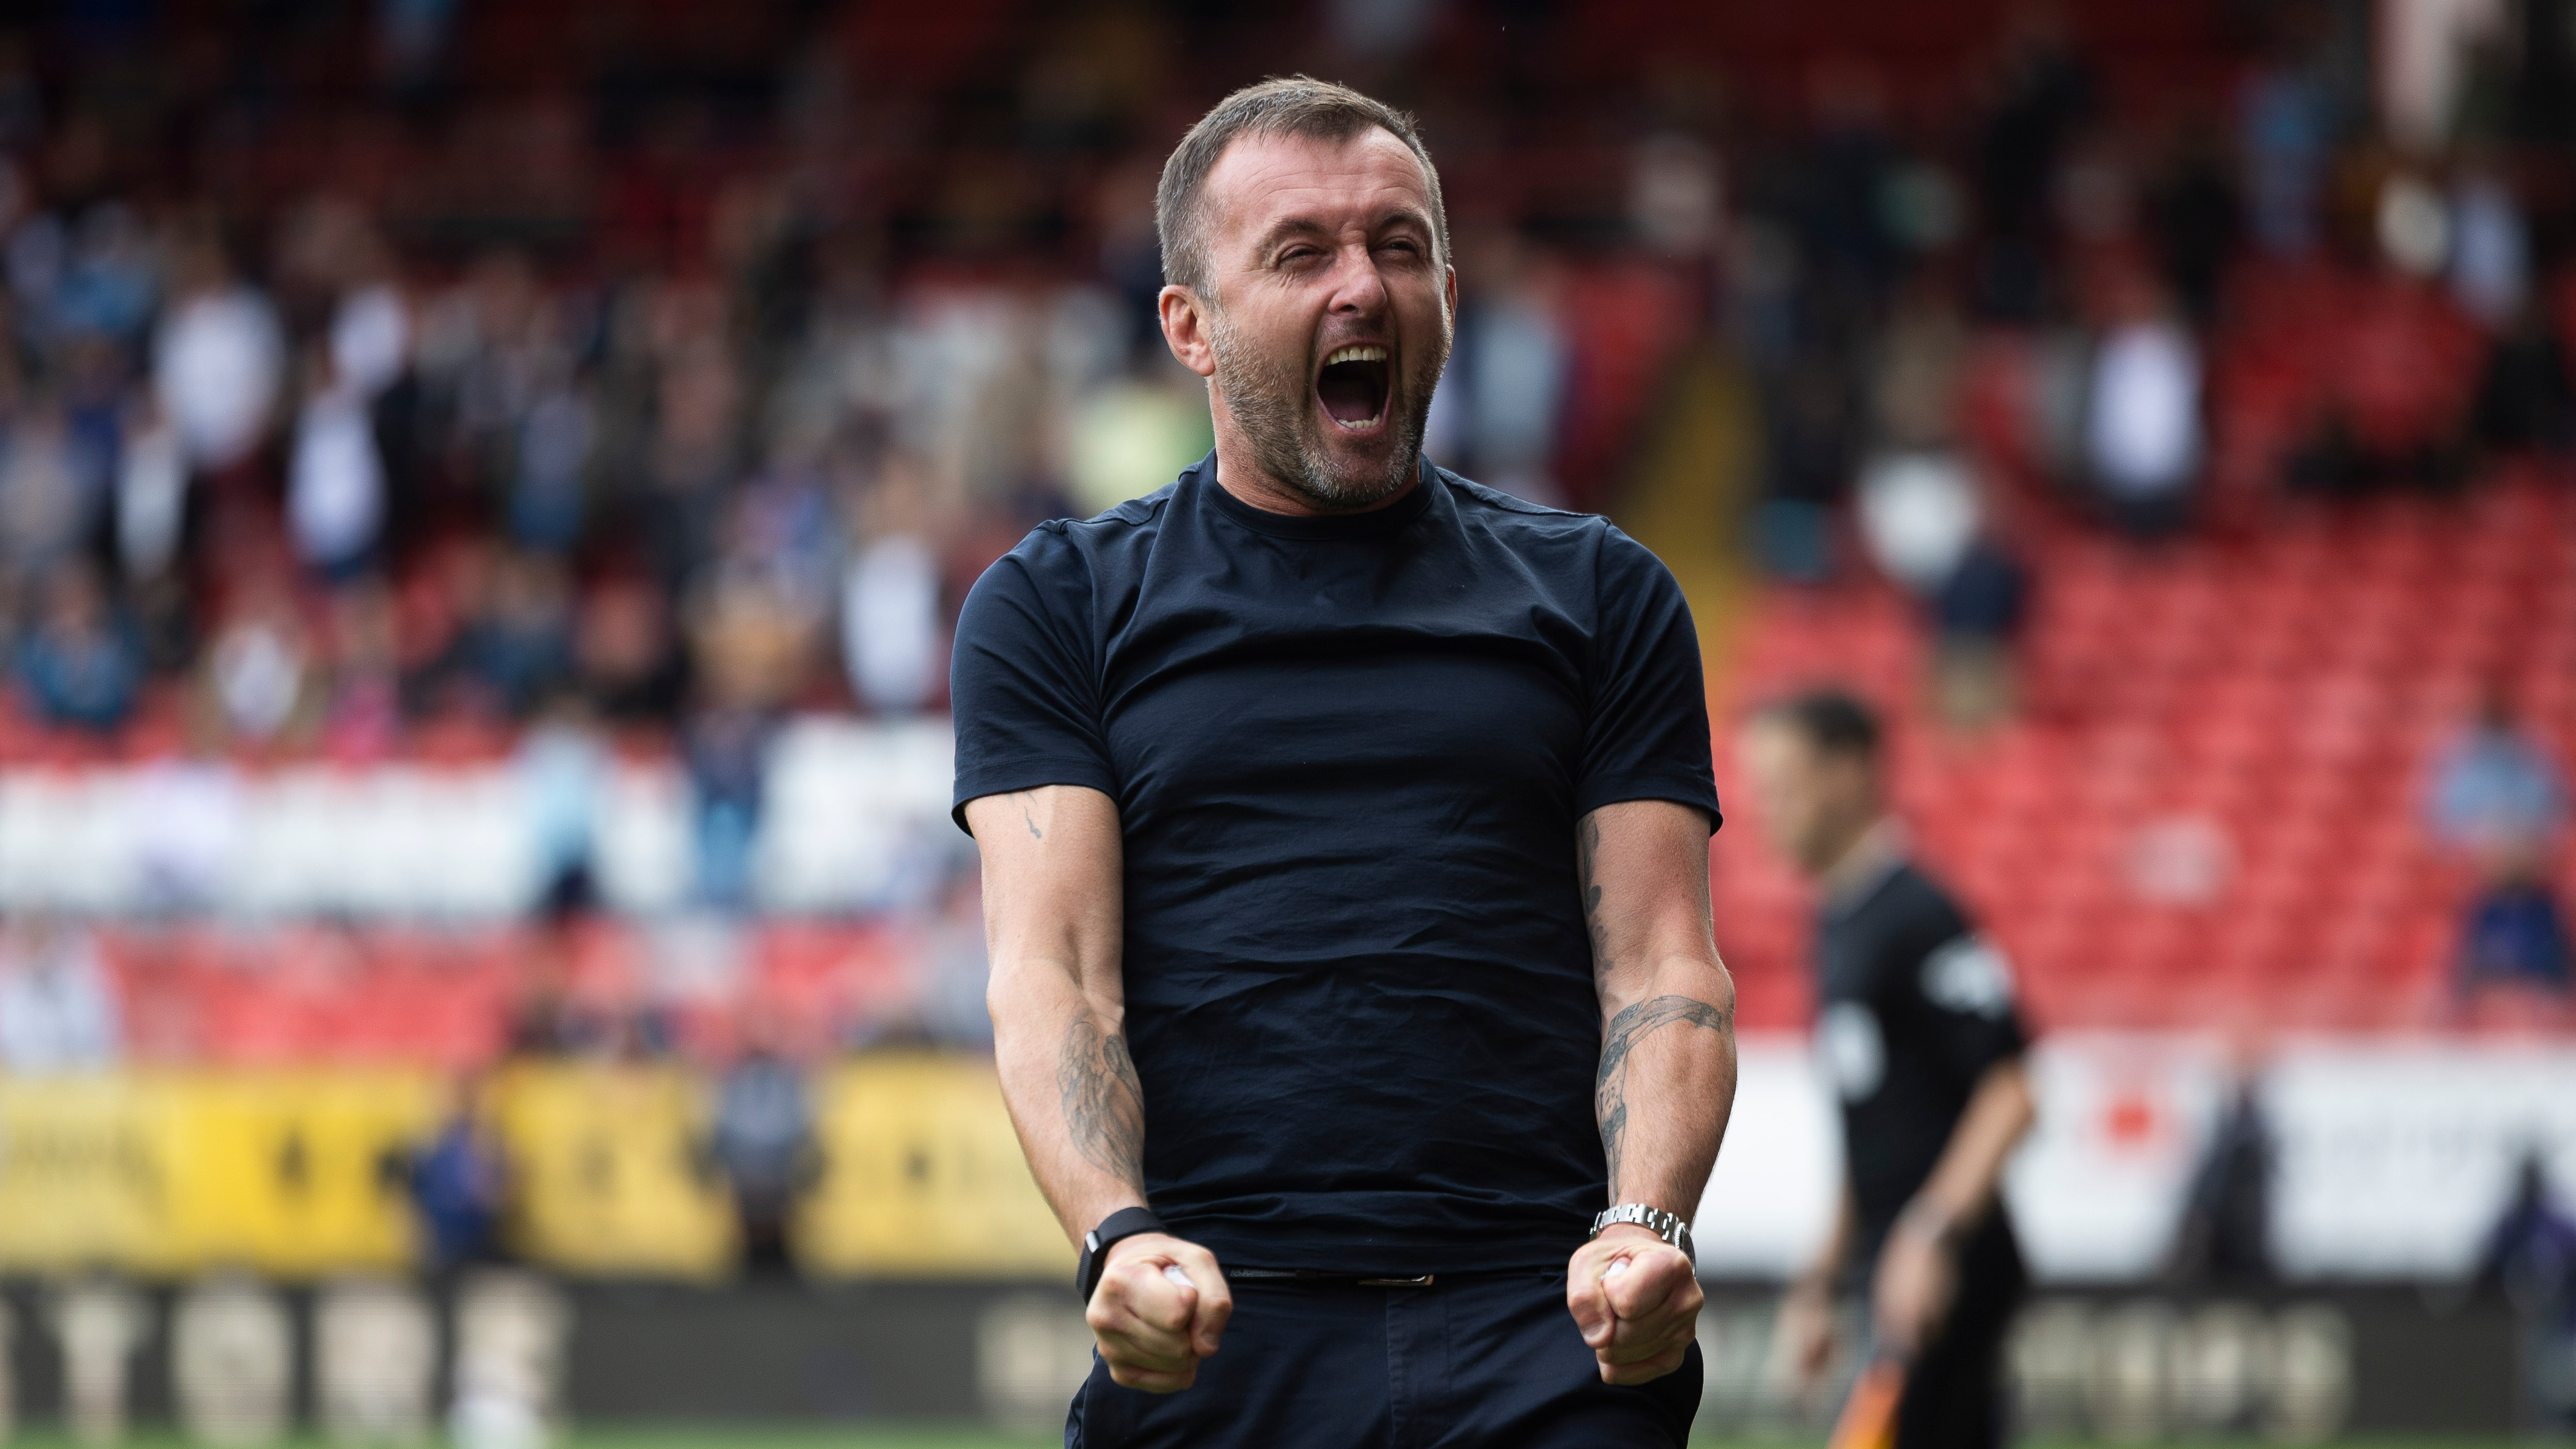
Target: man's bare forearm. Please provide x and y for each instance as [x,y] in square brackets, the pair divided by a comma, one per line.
[1666,1086]
[1052,922]
[1104,1108]
[1075,1101]
[1666,1083]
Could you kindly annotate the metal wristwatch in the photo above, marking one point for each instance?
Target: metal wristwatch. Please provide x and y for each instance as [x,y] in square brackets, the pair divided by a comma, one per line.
[1664,1225]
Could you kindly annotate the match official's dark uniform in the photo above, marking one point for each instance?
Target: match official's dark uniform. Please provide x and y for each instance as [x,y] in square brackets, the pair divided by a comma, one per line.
[1349,754]
[1914,1007]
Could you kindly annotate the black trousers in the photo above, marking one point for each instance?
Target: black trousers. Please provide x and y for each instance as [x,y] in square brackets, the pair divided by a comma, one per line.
[1488,1360]
[1954,1395]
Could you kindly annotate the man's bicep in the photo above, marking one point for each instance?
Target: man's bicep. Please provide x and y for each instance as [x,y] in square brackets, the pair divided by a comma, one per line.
[1643,874]
[1052,879]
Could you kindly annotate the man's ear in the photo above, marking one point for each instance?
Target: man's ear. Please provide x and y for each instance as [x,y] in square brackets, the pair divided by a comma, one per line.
[1185,329]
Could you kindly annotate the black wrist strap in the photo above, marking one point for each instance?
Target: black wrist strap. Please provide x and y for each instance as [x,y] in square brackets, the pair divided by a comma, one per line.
[1124,1223]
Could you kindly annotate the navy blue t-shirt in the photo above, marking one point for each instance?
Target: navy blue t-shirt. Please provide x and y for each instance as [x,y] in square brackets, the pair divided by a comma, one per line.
[1348,755]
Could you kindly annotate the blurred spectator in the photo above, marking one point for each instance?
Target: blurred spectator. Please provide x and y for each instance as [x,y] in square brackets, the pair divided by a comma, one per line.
[2197,221]
[629,656]
[259,667]
[52,487]
[335,481]
[726,750]
[187,813]
[1925,528]
[2498,800]
[1976,616]
[79,664]
[151,498]
[1810,419]
[548,501]
[2490,248]
[58,1011]
[562,768]
[363,697]
[2286,136]
[2526,398]
[1919,516]
[2039,90]
[2143,437]
[220,360]
[892,629]
[2225,1236]
[764,1144]
[2531,1255]
[1509,372]
[516,645]
[459,1185]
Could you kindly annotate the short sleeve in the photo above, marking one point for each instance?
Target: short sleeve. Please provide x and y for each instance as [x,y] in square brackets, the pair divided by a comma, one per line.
[1021,684]
[1647,735]
[1969,998]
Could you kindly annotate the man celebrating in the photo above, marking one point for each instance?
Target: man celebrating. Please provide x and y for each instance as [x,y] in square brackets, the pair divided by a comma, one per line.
[1917,1031]
[1345,836]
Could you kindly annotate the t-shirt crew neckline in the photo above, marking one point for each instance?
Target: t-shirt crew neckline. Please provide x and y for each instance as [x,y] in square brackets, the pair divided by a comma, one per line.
[1372,524]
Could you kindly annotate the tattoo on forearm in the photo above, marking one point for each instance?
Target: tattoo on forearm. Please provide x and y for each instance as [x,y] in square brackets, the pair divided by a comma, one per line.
[1104,1106]
[1587,845]
[1619,1040]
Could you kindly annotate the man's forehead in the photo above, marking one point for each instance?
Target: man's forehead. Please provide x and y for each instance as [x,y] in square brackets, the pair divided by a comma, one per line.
[1263,177]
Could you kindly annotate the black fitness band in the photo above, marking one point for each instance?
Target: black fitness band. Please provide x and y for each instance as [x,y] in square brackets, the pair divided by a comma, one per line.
[1124,1223]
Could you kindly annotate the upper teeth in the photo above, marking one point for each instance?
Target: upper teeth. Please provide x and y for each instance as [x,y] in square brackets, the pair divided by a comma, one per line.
[1357,354]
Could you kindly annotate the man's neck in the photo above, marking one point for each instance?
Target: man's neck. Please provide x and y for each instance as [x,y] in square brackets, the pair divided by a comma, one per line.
[1876,850]
[1237,474]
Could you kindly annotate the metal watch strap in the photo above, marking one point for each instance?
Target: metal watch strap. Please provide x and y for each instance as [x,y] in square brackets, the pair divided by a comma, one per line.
[1124,1223]
[1670,1228]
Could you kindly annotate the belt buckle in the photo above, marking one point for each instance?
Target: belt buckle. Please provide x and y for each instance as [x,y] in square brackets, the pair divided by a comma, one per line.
[1423,1281]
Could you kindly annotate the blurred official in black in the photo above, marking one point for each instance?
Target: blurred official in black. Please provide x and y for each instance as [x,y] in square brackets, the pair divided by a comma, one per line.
[1918,1032]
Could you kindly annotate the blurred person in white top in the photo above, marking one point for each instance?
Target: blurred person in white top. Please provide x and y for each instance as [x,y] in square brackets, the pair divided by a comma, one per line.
[2143,439]
[893,638]
[57,1011]
[218,361]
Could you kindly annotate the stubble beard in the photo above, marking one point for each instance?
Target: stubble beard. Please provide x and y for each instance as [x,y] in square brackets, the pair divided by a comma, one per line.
[1271,402]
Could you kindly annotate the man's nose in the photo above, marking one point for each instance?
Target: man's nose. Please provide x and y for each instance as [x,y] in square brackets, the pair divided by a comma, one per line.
[1358,290]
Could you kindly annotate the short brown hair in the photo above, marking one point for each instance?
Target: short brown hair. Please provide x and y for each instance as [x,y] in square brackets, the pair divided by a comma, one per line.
[1296,105]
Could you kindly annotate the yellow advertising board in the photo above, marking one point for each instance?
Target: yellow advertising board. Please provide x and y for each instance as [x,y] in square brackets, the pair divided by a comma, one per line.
[291,1174]
[295,1174]
[609,1173]
[84,1174]
[923,1176]
[299,1174]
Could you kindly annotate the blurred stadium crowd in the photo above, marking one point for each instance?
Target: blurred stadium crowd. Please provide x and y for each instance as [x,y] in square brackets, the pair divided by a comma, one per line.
[484,488]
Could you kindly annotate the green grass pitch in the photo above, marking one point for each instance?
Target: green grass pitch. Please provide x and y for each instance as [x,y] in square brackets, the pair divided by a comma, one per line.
[945,1437]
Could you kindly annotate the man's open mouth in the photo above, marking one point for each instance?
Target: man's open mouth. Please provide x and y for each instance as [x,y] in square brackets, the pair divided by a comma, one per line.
[1353,387]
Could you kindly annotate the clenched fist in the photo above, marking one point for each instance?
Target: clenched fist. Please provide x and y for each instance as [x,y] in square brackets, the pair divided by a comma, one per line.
[1160,1308]
[1636,1298]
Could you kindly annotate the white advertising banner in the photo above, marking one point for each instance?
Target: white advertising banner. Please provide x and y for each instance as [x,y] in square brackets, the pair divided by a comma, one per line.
[2096,1191]
[2393,1158]
[2397,1159]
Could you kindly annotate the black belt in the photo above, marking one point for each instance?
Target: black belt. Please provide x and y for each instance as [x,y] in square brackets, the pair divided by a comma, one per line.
[1305,1276]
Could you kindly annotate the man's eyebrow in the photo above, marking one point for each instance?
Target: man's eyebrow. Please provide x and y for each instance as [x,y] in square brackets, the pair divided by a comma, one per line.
[1295,226]
[1287,227]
